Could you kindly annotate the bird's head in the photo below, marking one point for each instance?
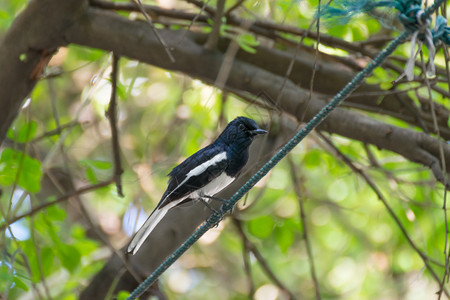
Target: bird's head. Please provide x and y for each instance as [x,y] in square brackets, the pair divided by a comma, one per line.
[240,132]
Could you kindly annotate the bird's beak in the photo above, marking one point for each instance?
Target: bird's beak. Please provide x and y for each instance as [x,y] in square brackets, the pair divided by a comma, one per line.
[259,131]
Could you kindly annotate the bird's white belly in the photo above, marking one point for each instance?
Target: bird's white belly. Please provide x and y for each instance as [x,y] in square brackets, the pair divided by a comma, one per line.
[212,188]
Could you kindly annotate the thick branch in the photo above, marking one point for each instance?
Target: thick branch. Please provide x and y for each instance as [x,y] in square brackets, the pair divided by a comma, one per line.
[133,39]
[331,74]
[26,48]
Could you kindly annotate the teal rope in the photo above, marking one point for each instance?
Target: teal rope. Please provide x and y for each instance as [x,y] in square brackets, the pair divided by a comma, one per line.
[315,121]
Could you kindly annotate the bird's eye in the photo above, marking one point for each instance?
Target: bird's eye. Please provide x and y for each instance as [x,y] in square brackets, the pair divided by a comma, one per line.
[241,127]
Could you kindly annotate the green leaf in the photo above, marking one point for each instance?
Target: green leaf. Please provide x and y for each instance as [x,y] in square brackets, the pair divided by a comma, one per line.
[11,134]
[91,165]
[26,132]
[247,42]
[261,227]
[7,277]
[70,297]
[90,175]
[7,167]
[121,91]
[23,132]
[247,48]
[284,236]
[20,284]
[312,159]
[249,39]
[5,274]
[122,295]
[4,15]
[31,174]
[47,255]
[100,164]
[56,213]
[69,256]
[11,162]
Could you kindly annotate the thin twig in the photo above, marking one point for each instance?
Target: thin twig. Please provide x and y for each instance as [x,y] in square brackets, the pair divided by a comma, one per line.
[105,241]
[316,56]
[262,261]
[28,268]
[111,114]
[151,9]
[444,170]
[383,200]
[203,6]
[246,257]
[233,7]
[213,37]
[152,26]
[37,250]
[197,16]
[55,131]
[298,191]
[264,28]
[38,208]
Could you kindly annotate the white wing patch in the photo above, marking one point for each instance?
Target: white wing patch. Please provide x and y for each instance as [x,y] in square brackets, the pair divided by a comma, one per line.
[200,169]
[210,189]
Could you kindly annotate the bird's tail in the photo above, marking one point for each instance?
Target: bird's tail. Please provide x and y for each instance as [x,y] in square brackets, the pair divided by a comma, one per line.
[150,224]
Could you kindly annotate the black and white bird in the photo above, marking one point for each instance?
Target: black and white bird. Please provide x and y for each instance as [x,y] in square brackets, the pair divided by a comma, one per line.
[203,174]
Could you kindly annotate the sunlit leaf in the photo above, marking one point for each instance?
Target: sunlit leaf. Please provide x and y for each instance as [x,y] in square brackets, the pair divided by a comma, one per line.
[12,162]
[312,159]
[261,227]
[122,295]
[47,256]
[284,236]
[70,297]
[69,256]
[100,164]
[90,175]
[26,132]
[20,284]
[56,213]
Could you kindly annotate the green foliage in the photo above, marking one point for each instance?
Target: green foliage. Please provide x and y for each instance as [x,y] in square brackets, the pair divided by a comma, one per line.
[9,280]
[247,42]
[24,133]
[359,251]
[285,233]
[261,227]
[18,168]
[122,295]
[92,167]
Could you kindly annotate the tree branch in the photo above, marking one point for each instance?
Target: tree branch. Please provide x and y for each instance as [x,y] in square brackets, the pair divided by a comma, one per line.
[26,48]
[111,114]
[111,32]
[38,208]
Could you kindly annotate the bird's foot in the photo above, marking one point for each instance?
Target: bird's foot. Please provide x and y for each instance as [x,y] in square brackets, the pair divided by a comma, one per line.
[220,211]
[207,205]
[215,198]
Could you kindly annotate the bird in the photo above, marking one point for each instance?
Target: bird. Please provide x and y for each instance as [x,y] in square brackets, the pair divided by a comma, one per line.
[203,174]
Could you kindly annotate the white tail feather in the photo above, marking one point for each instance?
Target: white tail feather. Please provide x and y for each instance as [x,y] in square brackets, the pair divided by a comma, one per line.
[147,228]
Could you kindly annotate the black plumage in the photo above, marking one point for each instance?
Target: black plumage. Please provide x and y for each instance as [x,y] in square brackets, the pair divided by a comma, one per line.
[203,174]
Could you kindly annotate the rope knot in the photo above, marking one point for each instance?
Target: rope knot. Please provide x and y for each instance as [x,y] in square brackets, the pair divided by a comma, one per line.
[416,21]
[411,15]
[441,32]
[420,25]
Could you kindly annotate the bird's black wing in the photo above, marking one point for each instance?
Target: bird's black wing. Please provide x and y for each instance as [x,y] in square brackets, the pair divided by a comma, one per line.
[195,172]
